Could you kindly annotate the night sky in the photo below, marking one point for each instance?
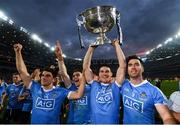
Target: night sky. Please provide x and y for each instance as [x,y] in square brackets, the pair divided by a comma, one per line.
[145,23]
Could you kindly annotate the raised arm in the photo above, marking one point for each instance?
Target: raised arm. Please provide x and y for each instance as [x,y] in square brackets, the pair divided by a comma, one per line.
[62,67]
[120,74]
[176,116]
[20,65]
[35,75]
[87,63]
[165,114]
[79,93]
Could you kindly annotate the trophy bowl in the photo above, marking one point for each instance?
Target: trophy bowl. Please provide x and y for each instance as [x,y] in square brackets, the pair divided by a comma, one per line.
[99,20]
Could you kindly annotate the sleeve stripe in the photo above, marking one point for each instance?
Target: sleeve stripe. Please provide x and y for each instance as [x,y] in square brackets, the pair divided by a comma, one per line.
[69,94]
[29,87]
[117,84]
[90,82]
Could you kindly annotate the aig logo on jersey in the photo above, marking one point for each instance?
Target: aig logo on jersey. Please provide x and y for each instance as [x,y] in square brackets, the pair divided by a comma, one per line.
[133,103]
[45,103]
[104,97]
[82,101]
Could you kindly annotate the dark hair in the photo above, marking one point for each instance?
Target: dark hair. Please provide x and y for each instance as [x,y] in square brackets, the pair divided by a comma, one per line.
[133,57]
[77,70]
[104,65]
[15,73]
[54,71]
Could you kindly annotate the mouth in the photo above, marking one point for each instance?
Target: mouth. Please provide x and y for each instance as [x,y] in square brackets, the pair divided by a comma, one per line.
[133,71]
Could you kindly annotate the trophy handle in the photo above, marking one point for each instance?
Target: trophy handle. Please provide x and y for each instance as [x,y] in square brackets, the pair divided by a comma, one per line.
[79,23]
[119,29]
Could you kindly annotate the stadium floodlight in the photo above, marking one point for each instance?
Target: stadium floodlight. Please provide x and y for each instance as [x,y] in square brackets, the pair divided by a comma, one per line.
[178,33]
[176,54]
[168,57]
[78,59]
[36,37]
[159,59]
[160,45]
[46,44]
[168,40]
[52,48]
[144,59]
[23,29]
[3,16]
[11,22]
[176,36]
[148,52]
[64,55]
[152,50]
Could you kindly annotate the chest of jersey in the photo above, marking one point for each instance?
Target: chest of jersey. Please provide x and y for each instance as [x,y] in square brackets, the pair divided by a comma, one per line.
[137,99]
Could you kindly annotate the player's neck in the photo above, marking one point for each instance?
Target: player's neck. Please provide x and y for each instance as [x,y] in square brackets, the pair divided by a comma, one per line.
[48,87]
[136,81]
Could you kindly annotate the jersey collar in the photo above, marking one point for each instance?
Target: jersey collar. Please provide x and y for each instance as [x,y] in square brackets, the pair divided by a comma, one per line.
[140,84]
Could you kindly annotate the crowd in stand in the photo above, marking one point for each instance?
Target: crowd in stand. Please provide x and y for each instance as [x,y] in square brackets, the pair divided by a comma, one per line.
[49,96]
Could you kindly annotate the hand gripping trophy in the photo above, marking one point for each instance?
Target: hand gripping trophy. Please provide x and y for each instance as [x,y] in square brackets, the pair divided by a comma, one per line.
[99,20]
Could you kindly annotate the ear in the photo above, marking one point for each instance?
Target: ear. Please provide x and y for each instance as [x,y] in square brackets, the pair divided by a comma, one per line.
[53,80]
[142,68]
[111,74]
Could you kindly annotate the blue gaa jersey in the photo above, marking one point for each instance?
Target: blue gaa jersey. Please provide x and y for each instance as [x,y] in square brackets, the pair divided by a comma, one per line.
[12,92]
[46,104]
[139,102]
[27,103]
[105,103]
[2,91]
[79,112]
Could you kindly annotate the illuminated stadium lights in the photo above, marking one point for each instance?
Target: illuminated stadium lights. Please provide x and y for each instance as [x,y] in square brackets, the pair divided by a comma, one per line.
[52,48]
[160,45]
[152,50]
[11,22]
[23,29]
[160,59]
[3,16]
[36,37]
[144,59]
[78,59]
[64,55]
[168,57]
[47,45]
[178,33]
[148,52]
[168,40]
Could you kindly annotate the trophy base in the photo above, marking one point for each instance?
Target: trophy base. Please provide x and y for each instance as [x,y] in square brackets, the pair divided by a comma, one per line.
[101,40]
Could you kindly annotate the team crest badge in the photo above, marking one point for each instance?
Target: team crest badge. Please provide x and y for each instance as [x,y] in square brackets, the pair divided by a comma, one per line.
[143,95]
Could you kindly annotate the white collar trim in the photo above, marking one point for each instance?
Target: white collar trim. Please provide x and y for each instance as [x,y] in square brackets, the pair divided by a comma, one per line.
[105,84]
[47,90]
[140,84]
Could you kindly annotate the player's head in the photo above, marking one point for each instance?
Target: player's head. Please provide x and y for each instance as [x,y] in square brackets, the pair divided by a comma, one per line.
[105,74]
[177,78]
[135,66]
[16,78]
[77,75]
[1,80]
[47,76]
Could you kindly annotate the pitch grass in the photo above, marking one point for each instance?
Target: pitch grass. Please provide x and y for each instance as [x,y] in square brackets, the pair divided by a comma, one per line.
[168,87]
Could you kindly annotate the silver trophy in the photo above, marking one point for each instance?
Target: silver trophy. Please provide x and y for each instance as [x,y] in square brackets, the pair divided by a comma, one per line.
[99,20]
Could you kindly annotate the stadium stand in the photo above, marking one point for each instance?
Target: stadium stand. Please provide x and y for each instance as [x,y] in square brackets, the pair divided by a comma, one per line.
[163,62]
[34,53]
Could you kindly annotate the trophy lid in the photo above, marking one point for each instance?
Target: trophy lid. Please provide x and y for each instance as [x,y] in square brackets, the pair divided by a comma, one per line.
[100,19]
